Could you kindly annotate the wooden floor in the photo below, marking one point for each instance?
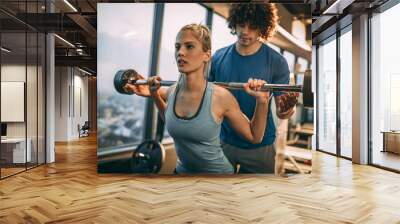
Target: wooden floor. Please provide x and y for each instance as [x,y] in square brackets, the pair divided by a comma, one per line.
[5,172]
[71,191]
[10,171]
[387,159]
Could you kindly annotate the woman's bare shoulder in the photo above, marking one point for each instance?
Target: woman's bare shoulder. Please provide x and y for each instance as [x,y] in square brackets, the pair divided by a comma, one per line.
[171,89]
[223,96]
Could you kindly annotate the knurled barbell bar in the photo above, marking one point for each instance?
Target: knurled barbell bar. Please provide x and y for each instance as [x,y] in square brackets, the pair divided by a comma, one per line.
[122,77]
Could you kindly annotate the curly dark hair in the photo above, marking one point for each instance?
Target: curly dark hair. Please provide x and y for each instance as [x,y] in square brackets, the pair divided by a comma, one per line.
[259,16]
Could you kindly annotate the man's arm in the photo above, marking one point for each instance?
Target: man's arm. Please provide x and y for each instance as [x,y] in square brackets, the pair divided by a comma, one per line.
[285,105]
[285,102]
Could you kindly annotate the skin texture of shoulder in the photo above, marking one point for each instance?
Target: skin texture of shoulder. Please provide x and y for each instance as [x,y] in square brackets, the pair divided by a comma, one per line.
[222,101]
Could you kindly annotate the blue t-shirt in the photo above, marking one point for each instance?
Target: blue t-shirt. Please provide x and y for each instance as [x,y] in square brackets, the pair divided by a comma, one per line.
[228,65]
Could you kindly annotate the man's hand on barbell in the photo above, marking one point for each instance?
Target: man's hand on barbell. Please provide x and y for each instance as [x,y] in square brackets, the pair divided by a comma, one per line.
[286,103]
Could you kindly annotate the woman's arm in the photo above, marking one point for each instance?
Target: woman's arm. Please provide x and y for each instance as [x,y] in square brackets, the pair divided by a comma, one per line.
[153,90]
[159,95]
[252,131]
[160,99]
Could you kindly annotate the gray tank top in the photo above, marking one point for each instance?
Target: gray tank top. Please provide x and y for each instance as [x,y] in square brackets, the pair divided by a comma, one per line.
[197,140]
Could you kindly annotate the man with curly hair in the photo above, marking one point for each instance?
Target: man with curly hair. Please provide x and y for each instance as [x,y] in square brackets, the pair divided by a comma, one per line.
[248,58]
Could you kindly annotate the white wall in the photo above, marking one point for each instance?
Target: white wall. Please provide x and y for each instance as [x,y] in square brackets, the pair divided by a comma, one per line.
[16,73]
[81,114]
[71,94]
[61,103]
[33,126]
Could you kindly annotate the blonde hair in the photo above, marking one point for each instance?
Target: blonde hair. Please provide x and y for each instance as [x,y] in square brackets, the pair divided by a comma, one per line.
[202,34]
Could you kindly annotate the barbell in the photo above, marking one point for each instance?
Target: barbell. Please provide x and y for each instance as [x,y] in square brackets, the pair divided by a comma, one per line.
[123,77]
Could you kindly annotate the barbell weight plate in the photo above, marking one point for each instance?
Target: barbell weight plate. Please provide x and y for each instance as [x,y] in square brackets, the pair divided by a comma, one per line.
[122,77]
[148,157]
[120,81]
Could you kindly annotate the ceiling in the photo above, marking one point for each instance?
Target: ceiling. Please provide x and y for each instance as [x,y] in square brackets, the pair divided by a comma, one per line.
[76,22]
[331,15]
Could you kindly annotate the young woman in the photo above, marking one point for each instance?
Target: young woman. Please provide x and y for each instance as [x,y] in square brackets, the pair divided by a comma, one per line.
[194,109]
